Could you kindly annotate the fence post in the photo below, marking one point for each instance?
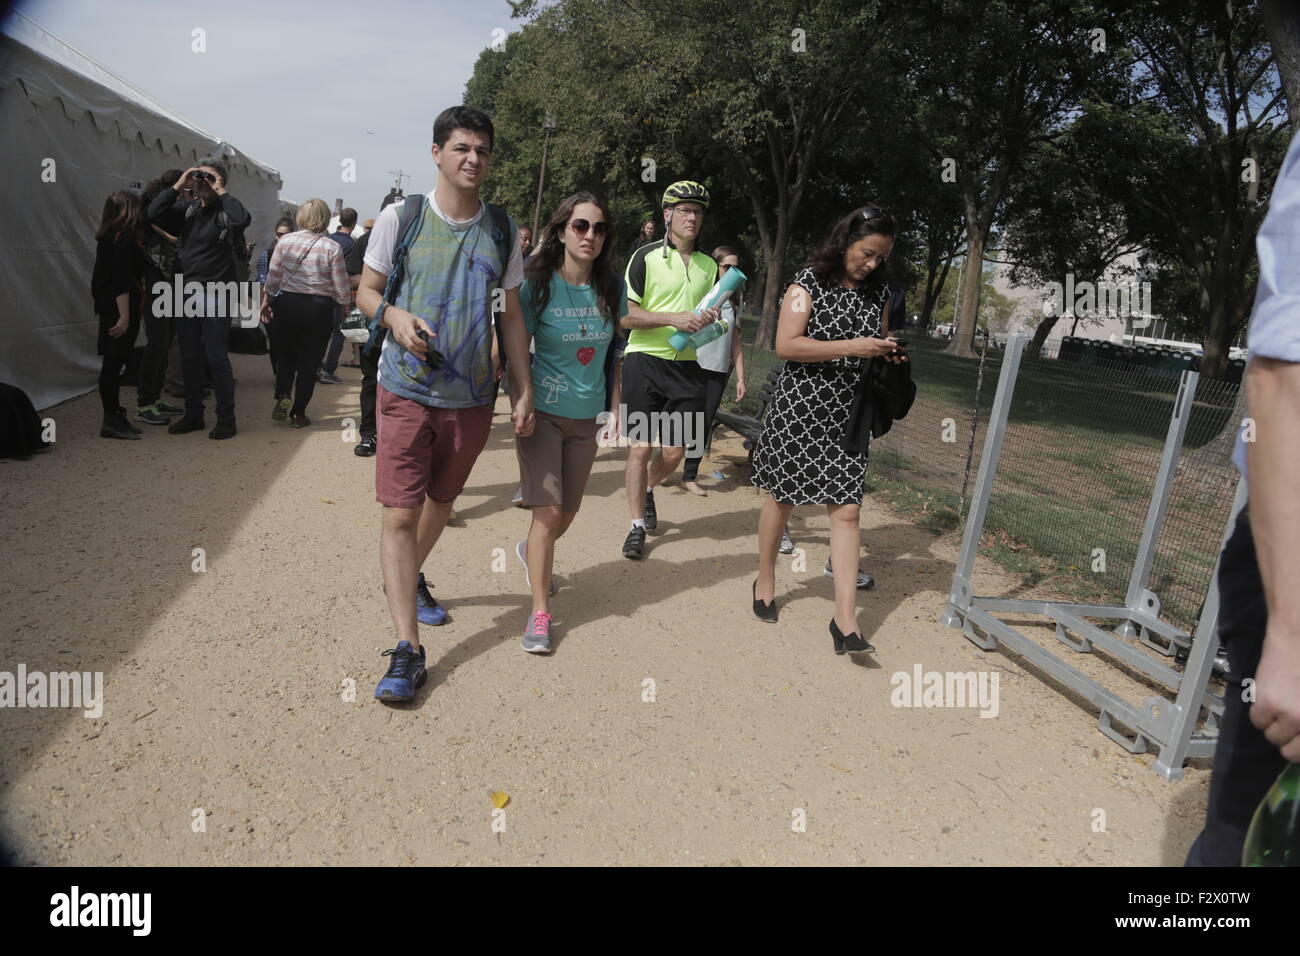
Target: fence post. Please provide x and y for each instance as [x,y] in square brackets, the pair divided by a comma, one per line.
[1196,675]
[1139,597]
[959,597]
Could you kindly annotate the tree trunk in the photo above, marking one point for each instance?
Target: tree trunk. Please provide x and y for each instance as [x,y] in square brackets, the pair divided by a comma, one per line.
[963,339]
[765,338]
[1215,359]
[1041,333]
[1282,25]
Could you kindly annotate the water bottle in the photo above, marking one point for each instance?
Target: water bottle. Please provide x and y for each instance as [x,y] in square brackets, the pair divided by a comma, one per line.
[1274,835]
[722,290]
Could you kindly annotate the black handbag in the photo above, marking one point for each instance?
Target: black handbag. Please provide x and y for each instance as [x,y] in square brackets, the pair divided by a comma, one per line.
[885,393]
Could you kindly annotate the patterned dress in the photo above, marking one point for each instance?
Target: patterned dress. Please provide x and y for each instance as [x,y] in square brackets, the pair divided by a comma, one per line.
[799,458]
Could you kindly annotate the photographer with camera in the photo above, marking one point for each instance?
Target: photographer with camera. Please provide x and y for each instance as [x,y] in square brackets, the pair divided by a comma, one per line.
[211,224]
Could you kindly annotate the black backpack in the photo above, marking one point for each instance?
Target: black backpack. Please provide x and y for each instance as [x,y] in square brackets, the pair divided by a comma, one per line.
[232,237]
[20,426]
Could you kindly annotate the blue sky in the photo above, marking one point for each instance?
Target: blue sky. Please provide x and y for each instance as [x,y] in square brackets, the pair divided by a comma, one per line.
[298,85]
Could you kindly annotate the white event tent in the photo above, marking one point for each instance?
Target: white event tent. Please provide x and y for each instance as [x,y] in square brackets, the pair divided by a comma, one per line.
[73,132]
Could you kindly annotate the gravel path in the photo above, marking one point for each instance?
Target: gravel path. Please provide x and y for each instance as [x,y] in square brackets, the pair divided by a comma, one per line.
[226,736]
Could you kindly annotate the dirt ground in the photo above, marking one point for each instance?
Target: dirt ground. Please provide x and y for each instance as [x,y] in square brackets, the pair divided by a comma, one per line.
[227,736]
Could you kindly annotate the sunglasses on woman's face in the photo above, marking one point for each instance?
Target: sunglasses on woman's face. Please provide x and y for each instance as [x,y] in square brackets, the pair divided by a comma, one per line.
[725,266]
[580,226]
[280,234]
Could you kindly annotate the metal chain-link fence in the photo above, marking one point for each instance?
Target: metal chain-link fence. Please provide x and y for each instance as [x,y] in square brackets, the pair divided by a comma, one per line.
[1082,448]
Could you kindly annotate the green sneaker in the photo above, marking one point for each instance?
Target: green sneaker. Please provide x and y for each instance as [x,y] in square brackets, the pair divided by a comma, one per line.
[150,415]
[167,408]
[282,409]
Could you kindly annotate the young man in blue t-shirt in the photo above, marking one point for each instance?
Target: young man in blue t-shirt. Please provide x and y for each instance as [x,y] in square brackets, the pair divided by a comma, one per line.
[434,392]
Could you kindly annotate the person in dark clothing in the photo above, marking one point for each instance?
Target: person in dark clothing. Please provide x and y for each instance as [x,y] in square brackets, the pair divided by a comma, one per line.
[211,224]
[343,236]
[117,287]
[160,253]
[369,360]
[282,229]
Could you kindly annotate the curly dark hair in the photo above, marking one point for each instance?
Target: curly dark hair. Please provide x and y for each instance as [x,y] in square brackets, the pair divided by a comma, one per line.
[549,256]
[165,181]
[827,263]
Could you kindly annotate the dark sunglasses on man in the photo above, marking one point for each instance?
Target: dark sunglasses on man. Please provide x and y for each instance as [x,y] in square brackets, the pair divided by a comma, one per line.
[580,226]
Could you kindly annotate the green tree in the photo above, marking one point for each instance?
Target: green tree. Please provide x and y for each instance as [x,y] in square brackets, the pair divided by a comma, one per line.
[988,80]
[1199,147]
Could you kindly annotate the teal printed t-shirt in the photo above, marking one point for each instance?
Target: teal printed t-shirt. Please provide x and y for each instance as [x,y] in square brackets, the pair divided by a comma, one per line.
[571,340]
[450,275]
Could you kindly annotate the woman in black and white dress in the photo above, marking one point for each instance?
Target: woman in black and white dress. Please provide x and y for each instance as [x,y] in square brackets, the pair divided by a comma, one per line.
[831,321]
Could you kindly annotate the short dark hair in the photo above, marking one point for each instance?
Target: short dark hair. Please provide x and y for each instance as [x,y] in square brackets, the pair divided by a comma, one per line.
[287,223]
[462,117]
[216,164]
[827,263]
[347,218]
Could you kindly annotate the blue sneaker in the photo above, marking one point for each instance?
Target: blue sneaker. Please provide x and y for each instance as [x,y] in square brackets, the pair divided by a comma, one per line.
[405,673]
[427,610]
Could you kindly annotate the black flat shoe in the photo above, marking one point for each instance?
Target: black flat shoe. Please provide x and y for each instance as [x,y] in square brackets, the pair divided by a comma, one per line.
[763,610]
[853,642]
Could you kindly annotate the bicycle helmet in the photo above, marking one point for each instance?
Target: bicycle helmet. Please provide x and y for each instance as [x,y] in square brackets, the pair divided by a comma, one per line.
[686,191]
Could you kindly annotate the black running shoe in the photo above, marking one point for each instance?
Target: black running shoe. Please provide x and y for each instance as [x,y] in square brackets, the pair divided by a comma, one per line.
[634,546]
[651,515]
[365,448]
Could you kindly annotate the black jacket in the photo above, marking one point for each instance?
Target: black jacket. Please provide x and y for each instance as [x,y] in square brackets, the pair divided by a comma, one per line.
[885,392]
[205,256]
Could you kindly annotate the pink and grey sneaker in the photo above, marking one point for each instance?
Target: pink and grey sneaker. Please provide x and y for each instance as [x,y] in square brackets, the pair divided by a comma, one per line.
[537,637]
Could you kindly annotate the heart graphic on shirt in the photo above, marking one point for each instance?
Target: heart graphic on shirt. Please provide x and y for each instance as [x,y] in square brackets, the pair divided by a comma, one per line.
[586,354]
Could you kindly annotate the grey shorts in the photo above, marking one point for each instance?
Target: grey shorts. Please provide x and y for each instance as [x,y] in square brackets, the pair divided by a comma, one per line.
[555,461]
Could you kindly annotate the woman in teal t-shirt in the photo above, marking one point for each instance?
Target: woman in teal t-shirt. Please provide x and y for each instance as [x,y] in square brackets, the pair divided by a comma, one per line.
[572,299]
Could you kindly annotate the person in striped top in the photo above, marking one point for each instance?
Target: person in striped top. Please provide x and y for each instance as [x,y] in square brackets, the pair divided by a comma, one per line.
[306,280]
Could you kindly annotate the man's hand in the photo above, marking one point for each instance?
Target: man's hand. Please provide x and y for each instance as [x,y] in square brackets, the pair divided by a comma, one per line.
[1276,711]
[740,389]
[187,179]
[404,326]
[523,417]
[689,322]
[119,330]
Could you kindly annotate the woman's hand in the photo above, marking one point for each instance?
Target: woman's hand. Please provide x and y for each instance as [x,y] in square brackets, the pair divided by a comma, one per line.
[265,314]
[871,347]
[607,437]
[119,330]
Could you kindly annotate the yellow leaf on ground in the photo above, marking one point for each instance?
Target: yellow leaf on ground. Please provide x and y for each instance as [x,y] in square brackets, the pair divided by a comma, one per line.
[326,501]
[500,798]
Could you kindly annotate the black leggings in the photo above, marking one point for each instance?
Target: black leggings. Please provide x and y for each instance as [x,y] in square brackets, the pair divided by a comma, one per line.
[116,351]
[715,383]
[303,324]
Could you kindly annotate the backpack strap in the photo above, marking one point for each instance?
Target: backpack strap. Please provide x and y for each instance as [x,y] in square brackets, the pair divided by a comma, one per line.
[408,228]
[503,234]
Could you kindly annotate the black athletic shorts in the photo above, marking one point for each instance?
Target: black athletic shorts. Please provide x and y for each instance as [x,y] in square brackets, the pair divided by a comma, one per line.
[664,401]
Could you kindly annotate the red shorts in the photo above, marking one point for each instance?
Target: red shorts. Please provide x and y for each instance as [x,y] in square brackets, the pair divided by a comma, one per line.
[422,450]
